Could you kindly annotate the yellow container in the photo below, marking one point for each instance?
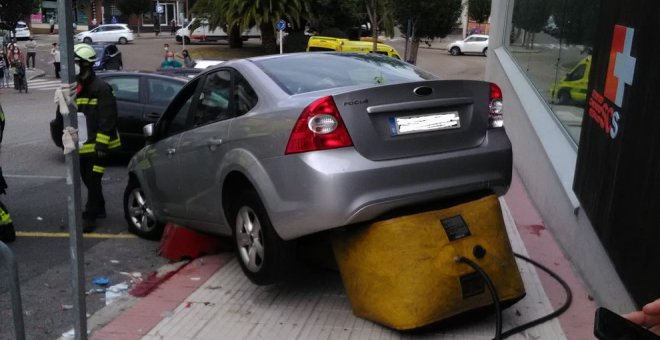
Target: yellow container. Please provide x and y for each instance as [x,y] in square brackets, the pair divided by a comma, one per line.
[401,272]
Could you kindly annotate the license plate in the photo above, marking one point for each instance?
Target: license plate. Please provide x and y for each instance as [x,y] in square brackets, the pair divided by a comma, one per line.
[424,123]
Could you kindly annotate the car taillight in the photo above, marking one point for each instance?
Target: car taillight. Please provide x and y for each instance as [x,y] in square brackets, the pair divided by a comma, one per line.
[495,118]
[319,127]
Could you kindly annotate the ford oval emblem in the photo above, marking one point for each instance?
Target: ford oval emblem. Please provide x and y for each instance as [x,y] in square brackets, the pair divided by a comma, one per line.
[423,91]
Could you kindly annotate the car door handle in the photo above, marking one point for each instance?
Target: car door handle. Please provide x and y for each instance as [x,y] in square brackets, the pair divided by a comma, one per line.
[171,152]
[213,143]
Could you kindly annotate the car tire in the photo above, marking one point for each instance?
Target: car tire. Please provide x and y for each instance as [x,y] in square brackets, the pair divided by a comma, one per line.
[186,40]
[123,41]
[564,97]
[455,51]
[485,52]
[87,40]
[139,214]
[264,257]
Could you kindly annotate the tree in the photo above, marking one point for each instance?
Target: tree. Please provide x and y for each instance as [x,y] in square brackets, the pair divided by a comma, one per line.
[577,20]
[13,11]
[428,19]
[137,7]
[479,10]
[531,15]
[380,13]
[329,15]
[243,14]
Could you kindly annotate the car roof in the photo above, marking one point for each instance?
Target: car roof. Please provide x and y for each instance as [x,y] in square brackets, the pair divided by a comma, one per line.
[479,35]
[156,74]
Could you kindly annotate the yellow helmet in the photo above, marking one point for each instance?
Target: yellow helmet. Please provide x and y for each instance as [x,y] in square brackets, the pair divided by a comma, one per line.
[84,52]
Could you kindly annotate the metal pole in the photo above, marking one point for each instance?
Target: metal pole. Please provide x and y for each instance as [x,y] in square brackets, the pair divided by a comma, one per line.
[72,174]
[15,290]
[281,44]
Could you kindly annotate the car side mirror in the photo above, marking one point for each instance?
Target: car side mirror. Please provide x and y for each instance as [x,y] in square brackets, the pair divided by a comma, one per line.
[148,132]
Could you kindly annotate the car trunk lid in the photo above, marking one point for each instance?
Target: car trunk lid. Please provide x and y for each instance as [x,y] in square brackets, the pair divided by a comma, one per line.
[415,119]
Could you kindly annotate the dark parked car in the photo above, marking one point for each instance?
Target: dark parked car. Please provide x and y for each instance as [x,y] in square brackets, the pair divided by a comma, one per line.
[141,99]
[270,149]
[108,57]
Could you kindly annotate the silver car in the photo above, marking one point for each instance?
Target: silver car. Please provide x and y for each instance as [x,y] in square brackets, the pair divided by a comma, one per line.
[270,149]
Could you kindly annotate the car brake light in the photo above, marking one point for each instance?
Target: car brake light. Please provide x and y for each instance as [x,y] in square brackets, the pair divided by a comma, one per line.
[495,118]
[319,127]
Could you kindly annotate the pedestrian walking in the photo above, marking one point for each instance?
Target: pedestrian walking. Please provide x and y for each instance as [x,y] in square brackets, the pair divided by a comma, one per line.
[172,27]
[51,22]
[31,49]
[94,23]
[4,70]
[55,52]
[114,19]
[97,102]
[156,25]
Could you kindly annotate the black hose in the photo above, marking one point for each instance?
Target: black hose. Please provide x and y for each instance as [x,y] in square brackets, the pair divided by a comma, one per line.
[562,309]
[493,294]
[496,300]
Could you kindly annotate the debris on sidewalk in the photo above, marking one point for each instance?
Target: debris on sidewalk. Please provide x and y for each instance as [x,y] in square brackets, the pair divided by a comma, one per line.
[115,292]
[154,279]
[101,281]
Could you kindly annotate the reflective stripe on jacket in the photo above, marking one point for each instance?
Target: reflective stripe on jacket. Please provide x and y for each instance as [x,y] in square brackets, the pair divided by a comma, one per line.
[96,100]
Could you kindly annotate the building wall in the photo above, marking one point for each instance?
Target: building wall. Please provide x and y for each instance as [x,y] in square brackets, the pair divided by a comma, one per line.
[545,157]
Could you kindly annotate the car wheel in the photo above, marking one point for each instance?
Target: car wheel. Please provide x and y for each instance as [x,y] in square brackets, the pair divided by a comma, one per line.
[485,52]
[455,51]
[139,214]
[87,40]
[564,97]
[262,254]
[123,41]
[186,40]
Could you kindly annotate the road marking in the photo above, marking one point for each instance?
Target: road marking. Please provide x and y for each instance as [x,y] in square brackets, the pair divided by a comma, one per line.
[41,84]
[63,235]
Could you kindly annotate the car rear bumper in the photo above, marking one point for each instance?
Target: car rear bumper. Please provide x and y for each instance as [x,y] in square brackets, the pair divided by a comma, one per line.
[311,192]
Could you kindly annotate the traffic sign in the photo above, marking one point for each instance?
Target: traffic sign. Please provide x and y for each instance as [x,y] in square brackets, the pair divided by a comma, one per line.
[281,24]
[160,9]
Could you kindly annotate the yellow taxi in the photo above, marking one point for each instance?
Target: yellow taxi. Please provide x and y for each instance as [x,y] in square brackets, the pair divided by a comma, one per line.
[321,43]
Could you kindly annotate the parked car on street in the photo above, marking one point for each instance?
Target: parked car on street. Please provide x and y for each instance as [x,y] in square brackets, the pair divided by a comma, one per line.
[206,63]
[141,99]
[270,149]
[114,33]
[476,43]
[108,57]
[22,31]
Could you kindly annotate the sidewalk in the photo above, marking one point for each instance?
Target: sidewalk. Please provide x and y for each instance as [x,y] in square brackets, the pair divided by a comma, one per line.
[210,298]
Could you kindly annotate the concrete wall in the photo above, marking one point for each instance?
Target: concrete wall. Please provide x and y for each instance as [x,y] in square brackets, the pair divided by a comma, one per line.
[545,158]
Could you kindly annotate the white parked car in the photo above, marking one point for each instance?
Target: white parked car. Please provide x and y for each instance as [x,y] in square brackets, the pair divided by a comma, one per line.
[22,31]
[116,33]
[476,43]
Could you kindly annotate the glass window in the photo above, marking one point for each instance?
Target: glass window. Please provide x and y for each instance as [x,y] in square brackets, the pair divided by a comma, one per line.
[175,119]
[320,71]
[551,40]
[161,91]
[213,103]
[125,88]
[244,95]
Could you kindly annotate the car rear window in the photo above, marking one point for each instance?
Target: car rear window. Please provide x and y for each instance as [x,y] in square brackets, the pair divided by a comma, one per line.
[319,71]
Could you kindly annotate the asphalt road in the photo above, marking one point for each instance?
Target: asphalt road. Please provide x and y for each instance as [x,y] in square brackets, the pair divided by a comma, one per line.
[37,196]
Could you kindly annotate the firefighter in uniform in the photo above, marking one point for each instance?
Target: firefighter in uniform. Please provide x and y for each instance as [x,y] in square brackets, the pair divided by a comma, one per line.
[97,102]
[7,232]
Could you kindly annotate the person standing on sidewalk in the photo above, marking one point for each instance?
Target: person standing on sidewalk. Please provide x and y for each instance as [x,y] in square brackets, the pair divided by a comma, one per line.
[55,52]
[97,102]
[51,22]
[31,49]
[172,26]
[4,72]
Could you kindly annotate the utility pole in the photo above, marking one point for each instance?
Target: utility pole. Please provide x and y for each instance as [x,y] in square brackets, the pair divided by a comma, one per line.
[69,113]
